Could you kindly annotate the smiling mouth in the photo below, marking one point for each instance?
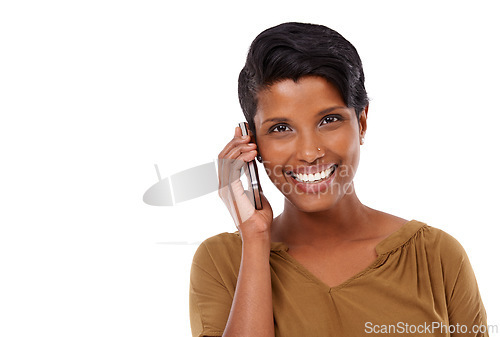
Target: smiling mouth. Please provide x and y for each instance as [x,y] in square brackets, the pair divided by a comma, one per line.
[314,178]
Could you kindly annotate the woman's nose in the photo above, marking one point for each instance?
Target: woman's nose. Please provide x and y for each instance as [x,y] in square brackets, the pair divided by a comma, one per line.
[310,149]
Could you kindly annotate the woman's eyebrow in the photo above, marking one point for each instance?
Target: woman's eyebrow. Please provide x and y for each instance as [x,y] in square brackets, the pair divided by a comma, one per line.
[322,112]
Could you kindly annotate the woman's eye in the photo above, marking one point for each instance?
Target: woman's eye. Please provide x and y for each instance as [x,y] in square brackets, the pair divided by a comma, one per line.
[280,128]
[330,119]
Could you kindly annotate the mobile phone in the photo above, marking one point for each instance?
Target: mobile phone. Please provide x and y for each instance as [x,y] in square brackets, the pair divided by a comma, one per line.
[254,176]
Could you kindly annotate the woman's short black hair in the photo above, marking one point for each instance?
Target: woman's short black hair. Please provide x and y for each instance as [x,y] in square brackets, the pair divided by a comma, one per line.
[293,50]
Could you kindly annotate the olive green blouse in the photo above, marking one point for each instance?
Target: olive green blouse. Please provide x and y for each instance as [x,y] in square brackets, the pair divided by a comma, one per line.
[421,284]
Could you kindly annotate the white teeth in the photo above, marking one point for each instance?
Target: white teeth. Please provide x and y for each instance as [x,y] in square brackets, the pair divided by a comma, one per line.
[312,178]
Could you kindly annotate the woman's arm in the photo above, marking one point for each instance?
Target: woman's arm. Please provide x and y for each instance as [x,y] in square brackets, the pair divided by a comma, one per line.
[465,308]
[252,308]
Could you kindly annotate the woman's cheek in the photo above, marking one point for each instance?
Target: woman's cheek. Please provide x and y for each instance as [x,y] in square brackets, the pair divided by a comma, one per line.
[275,159]
[273,171]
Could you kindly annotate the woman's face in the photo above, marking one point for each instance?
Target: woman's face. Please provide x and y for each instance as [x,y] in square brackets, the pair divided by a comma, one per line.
[306,128]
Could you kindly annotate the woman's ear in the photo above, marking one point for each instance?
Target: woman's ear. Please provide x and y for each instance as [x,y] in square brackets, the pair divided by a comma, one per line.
[362,121]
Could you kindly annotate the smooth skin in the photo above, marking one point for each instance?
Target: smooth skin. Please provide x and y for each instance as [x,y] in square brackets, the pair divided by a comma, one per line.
[332,233]
[252,309]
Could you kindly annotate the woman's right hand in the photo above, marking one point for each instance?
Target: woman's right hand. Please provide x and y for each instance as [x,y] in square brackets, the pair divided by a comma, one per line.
[251,223]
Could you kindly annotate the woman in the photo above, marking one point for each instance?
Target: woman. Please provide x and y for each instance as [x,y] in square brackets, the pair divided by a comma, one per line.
[328,265]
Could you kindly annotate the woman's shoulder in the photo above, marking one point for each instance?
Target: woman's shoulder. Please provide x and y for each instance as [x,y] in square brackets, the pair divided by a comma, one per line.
[444,243]
[440,239]
[426,238]
[222,242]
[219,252]
[432,249]
[434,243]
[450,261]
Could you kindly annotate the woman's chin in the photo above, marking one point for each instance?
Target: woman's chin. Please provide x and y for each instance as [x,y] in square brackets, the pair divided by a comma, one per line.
[312,203]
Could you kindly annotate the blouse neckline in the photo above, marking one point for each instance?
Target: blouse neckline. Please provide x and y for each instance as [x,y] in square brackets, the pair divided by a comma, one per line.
[390,243]
[393,241]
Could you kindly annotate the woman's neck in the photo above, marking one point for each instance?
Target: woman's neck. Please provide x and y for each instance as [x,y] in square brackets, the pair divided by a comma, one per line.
[349,219]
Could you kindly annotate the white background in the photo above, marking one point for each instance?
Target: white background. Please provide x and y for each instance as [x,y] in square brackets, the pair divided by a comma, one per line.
[94,93]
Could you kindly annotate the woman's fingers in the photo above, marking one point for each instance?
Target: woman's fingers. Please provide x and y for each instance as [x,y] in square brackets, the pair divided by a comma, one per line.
[230,170]
[223,164]
[235,156]
[242,205]
[238,196]
[234,160]
[232,165]
[237,139]
[231,160]
[233,153]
